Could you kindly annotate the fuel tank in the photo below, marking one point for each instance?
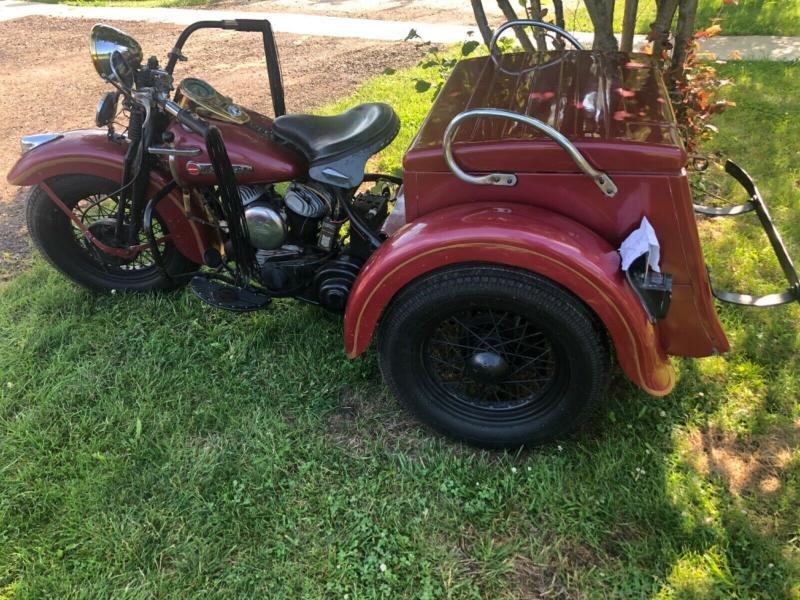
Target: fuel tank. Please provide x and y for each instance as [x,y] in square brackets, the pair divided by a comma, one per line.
[256,157]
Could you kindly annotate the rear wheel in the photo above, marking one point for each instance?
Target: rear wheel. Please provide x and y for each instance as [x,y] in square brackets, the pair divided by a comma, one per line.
[493,356]
[93,201]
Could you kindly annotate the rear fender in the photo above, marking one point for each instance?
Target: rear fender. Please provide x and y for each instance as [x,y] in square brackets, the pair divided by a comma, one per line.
[519,236]
[90,152]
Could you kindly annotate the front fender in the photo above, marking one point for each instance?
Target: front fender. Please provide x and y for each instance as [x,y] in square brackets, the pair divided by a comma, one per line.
[90,152]
[519,236]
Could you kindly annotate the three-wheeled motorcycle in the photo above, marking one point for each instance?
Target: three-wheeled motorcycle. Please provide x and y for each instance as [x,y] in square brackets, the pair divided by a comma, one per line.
[490,274]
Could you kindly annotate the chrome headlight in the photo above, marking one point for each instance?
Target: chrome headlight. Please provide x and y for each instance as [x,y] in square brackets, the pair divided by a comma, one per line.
[114,53]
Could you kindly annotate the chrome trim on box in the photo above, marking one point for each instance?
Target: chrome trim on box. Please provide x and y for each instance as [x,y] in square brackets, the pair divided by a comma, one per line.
[29,142]
[601,179]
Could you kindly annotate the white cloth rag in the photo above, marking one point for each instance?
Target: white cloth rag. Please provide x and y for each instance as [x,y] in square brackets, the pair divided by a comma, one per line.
[641,241]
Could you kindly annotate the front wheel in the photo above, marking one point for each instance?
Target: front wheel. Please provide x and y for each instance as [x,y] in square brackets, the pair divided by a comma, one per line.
[493,356]
[95,202]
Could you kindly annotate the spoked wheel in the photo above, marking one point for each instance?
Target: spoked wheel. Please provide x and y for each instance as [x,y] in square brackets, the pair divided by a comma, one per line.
[493,356]
[495,362]
[93,201]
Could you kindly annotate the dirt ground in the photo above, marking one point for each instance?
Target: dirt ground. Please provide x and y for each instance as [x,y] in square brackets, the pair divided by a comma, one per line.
[48,83]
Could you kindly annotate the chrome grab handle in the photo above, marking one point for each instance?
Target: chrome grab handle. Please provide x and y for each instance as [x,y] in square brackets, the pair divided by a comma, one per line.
[601,179]
[529,23]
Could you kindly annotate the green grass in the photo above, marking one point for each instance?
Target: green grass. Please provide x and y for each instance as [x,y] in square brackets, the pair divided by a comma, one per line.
[750,17]
[153,447]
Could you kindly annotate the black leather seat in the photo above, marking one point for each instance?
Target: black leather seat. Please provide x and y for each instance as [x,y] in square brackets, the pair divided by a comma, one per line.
[338,147]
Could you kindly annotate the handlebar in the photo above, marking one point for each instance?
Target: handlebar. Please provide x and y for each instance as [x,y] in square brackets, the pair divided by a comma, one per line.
[146,97]
[261,26]
[186,117]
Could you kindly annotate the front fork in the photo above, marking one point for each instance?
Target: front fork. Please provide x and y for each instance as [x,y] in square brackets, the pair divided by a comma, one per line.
[135,175]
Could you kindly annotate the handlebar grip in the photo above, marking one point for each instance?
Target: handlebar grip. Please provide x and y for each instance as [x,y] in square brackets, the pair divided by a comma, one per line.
[184,116]
[195,124]
[244,24]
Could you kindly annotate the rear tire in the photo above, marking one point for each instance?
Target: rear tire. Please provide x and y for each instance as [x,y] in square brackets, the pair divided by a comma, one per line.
[493,356]
[69,252]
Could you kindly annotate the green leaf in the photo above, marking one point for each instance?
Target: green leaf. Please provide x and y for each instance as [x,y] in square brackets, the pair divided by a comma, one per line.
[389,71]
[422,85]
[468,48]
[138,428]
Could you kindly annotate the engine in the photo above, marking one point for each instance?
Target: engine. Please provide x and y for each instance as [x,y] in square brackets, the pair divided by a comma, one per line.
[273,221]
[297,237]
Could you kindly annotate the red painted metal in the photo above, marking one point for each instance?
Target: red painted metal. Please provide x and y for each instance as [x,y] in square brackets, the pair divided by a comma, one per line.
[613,106]
[555,221]
[518,236]
[89,152]
[691,327]
[247,144]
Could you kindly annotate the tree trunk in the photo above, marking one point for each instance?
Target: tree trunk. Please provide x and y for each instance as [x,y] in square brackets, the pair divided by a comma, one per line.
[684,33]
[665,12]
[538,33]
[628,25]
[522,36]
[483,23]
[602,14]
[558,7]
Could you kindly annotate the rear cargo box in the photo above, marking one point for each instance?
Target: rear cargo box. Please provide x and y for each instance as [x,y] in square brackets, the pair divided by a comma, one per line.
[613,106]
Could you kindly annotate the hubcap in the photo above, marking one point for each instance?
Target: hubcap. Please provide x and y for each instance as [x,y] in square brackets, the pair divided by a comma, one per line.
[487,367]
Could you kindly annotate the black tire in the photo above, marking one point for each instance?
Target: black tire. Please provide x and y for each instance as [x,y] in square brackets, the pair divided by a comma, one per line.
[493,356]
[64,247]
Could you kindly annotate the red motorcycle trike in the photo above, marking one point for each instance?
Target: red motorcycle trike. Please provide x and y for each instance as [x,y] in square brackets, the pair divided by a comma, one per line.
[490,275]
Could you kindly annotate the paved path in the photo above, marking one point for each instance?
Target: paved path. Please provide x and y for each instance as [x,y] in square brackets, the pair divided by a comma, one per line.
[748,47]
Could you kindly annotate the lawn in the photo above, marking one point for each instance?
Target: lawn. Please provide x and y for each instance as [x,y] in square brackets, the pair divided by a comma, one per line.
[749,17]
[154,447]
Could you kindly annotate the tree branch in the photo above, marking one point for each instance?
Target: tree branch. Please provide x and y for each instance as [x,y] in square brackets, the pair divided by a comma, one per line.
[538,34]
[602,14]
[509,13]
[665,12]
[558,7]
[684,32]
[482,22]
[628,25]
